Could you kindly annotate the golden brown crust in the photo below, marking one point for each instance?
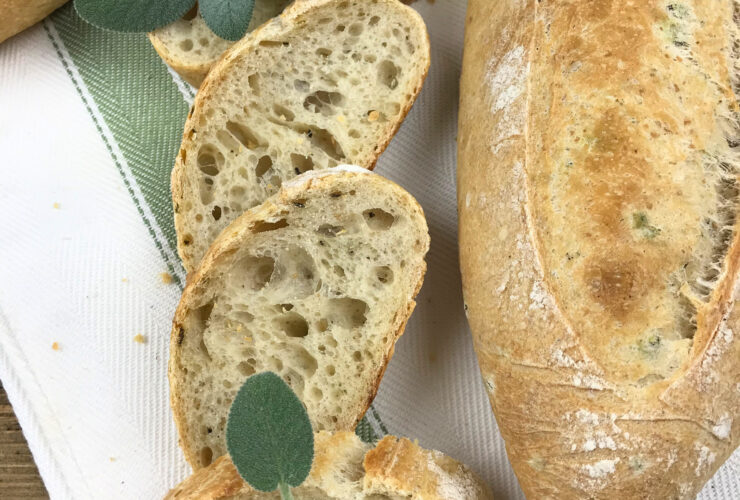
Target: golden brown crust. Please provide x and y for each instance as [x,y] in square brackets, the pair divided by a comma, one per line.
[563,274]
[233,237]
[20,14]
[398,466]
[395,466]
[291,17]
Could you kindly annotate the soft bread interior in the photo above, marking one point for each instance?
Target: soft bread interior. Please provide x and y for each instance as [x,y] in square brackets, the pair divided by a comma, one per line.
[316,288]
[190,42]
[329,87]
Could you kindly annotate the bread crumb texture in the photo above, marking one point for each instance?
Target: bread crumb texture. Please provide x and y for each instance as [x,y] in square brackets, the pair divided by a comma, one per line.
[326,83]
[598,200]
[345,468]
[315,285]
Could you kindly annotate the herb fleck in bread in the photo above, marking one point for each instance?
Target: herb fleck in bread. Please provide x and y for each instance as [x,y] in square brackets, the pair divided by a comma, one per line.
[316,284]
[190,47]
[327,82]
[345,468]
[598,201]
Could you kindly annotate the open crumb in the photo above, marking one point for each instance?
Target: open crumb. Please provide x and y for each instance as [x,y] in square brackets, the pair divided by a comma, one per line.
[139,339]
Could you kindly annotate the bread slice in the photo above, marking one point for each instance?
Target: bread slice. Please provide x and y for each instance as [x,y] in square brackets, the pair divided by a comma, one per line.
[345,468]
[327,82]
[190,47]
[20,14]
[316,284]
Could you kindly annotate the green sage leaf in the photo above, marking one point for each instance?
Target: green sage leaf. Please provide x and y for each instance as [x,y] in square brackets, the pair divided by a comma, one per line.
[229,19]
[132,15]
[268,434]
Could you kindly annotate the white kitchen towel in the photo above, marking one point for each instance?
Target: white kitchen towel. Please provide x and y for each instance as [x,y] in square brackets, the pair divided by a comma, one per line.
[90,122]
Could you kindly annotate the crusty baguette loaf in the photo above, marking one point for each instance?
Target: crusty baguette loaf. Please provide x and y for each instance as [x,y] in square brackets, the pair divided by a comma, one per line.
[345,468]
[189,46]
[327,82]
[598,201]
[20,14]
[316,284]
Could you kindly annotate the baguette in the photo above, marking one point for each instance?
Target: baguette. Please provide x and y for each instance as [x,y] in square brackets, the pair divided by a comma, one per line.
[20,14]
[190,47]
[598,201]
[345,468]
[316,284]
[327,82]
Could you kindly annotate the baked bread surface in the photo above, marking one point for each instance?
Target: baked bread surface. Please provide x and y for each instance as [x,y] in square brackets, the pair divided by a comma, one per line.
[345,468]
[20,14]
[598,199]
[190,47]
[316,285]
[325,83]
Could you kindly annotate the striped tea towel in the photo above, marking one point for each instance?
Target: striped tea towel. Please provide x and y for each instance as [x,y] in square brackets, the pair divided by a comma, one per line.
[90,122]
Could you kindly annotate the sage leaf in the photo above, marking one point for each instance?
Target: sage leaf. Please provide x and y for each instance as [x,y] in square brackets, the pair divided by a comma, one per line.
[132,15]
[229,19]
[269,435]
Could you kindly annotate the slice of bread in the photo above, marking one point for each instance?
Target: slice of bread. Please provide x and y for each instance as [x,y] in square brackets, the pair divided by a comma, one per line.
[316,284]
[345,468]
[190,47]
[20,14]
[327,82]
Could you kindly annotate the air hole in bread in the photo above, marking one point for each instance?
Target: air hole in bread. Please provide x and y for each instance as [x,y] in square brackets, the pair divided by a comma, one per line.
[316,394]
[325,20]
[357,356]
[202,315]
[301,85]
[204,350]
[304,360]
[294,380]
[354,134]
[227,140]
[265,226]
[273,43]
[322,325]
[263,165]
[331,370]
[283,113]
[384,274]
[244,316]
[347,312]
[378,219]
[330,230]
[292,324]
[237,191]
[206,456]
[244,134]
[301,163]
[323,102]
[275,364]
[216,212]
[210,160]
[253,81]
[323,52]
[339,271]
[373,20]
[340,27]
[356,29]
[186,45]
[325,141]
[254,272]
[204,42]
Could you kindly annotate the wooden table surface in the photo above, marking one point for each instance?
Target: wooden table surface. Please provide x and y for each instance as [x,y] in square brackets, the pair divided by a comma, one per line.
[19,477]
